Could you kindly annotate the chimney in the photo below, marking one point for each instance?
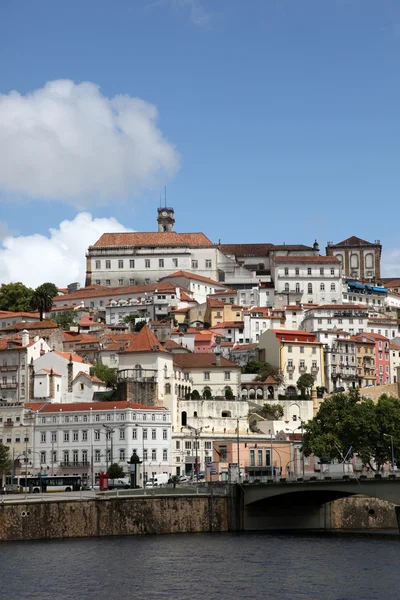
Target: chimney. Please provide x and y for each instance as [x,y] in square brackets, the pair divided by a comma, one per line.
[51,384]
[70,370]
[25,338]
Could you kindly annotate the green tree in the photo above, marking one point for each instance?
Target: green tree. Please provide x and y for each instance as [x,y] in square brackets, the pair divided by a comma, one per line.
[105,373]
[5,461]
[115,471]
[229,394]
[263,370]
[139,325]
[272,412]
[42,300]
[65,319]
[305,383]
[195,395]
[207,393]
[130,320]
[346,420]
[174,480]
[15,297]
[50,288]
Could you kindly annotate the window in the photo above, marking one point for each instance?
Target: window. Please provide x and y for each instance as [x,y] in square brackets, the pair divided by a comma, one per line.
[122,434]
[120,282]
[145,454]
[98,264]
[252,458]
[43,437]
[43,457]
[131,264]
[98,282]
[195,264]
[154,454]
[286,287]
[161,262]
[75,436]
[314,350]
[66,436]
[108,264]
[333,287]
[97,418]
[175,262]
[167,388]
[177,445]
[153,417]
[260,458]
[108,281]
[227,375]
[134,434]
[289,348]
[309,288]
[164,434]
[153,434]
[290,363]
[322,287]
[122,454]
[120,264]
[84,436]
[286,271]
[144,434]
[332,271]
[309,271]
[147,263]
[97,435]
[207,375]
[97,456]
[188,445]
[66,457]
[108,417]
[208,264]
[297,271]
[131,282]
[53,436]
[301,349]
[165,454]
[321,271]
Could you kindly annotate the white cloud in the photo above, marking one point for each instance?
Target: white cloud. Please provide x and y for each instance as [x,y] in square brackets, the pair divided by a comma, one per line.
[59,258]
[391,263]
[67,141]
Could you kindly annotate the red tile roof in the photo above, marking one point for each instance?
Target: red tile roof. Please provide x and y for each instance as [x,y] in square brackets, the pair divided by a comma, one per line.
[70,356]
[197,240]
[307,259]
[97,291]
[375,336]
[92,378]
[228,324]
[47,371]
[36,405]
[86,406]
[190,275]
[291,335]
[145,341]
[31,325]
[239,347]
[353,241]
[8,313]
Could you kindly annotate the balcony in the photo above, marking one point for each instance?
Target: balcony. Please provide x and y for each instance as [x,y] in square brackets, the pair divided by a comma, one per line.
[302,369]
[290,368]
[72,463]
[314,370]
[9,386]
[9,368]
[9,424]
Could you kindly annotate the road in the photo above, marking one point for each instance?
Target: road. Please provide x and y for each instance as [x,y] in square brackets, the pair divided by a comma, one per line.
[47,497]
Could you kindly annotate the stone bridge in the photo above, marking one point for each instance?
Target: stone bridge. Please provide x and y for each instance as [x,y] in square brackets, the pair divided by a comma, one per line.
[306,504]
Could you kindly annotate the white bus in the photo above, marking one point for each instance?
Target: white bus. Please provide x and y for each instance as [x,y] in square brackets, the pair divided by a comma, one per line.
[43,483]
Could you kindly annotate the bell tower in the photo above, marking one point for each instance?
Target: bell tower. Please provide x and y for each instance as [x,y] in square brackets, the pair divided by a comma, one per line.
[165,219]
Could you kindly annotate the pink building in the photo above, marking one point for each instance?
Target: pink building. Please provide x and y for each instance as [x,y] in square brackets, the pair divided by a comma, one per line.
[382,355]
[204,341]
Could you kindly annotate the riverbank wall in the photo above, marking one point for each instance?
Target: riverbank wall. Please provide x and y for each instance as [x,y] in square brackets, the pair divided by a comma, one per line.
[139,515]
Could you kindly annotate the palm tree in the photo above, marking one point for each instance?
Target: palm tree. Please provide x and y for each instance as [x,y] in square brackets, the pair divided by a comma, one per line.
[41,301]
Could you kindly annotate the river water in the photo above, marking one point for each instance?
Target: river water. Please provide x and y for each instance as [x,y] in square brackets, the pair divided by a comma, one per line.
[204,567]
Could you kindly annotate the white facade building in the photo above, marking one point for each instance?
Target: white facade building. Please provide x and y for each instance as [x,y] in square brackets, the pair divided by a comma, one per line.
[86,438]
[308,279]
[352,318]
[56,378]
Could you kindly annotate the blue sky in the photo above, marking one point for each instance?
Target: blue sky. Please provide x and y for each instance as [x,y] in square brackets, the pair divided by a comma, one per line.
[284,113]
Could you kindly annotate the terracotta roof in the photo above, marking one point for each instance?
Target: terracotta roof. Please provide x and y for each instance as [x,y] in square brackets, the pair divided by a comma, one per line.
[291,335]
[69,356]
[246,249]
[86,406]
[228,324]
[307,259]
[35,405]
[190,275]
[92,378]
[145,341]
[8,313]
[291,247]
[244,347]
[375,336]
[353,241]
[215,303]
[170,344]
[154,239]
[186,298]
[31,325]
[80,338]
[97,291]
[391,283]
[190,330]
[227,344]
[201,360]
[47,372]
[394,347]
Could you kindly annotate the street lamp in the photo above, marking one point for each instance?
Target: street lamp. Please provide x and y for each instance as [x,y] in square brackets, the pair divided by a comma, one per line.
[109,436]
[197,433]
[143,456]
[302,436]
[392,447]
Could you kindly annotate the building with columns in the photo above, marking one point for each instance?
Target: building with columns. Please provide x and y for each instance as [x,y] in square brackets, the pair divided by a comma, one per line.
[360,259]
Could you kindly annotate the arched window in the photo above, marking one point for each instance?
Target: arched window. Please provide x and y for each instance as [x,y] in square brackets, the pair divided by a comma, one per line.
[309,288]
[354,261]
[322,287]
[195,414]
[333,287]
[167,388]
[369,261]
[286,287]
[183,418]
[260,393]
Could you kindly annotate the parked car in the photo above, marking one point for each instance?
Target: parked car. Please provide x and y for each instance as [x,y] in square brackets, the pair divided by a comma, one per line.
[183,479]
[338,390]
[119,483]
